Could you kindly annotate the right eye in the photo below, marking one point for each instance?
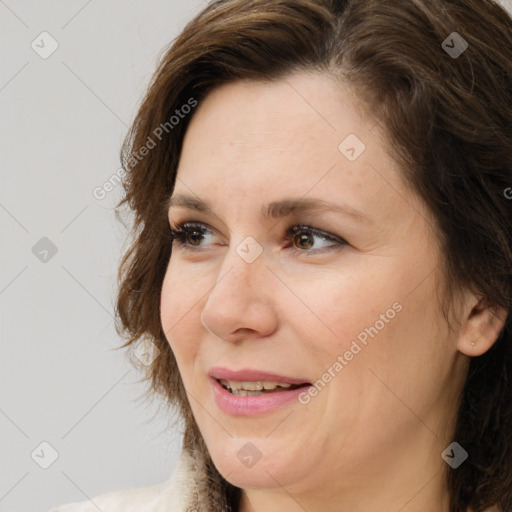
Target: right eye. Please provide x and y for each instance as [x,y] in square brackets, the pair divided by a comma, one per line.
[189,235]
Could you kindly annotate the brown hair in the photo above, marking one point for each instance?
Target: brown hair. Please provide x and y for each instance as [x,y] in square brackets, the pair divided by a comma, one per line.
[449,123]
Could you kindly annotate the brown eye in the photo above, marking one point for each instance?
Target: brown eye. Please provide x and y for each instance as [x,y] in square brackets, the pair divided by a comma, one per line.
[304,241]
[311,240]
[190,235]
[194,237]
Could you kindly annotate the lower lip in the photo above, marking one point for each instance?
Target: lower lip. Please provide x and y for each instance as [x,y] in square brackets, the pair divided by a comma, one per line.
[252,405]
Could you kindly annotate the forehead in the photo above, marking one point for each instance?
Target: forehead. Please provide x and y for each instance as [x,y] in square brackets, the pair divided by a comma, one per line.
[251,142]
[292,115]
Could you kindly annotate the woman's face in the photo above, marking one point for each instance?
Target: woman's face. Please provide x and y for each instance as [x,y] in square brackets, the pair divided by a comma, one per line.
[347,301]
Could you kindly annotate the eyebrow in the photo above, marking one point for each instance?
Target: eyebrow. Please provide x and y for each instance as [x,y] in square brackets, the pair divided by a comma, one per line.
[276,209]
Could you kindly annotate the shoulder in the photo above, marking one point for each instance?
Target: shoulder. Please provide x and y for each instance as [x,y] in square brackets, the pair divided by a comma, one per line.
[114,501]
[170,495]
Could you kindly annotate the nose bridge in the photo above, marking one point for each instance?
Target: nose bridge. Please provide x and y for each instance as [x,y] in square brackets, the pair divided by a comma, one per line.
[241,270]
[239,299]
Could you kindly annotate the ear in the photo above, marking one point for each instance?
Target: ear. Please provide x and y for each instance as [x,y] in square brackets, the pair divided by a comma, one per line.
[481,325]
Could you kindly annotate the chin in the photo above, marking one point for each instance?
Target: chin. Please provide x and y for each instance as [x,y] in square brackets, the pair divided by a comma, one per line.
[244,465]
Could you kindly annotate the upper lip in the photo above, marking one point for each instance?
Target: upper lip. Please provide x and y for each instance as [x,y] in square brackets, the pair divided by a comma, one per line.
[252,375]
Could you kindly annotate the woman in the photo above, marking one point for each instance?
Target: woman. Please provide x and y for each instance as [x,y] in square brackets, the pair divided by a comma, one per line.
[323,257]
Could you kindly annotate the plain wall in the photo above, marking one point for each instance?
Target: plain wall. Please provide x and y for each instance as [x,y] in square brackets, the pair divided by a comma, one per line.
[63,119]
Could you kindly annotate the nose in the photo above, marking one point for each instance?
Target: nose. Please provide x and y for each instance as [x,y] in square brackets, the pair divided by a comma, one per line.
[240,304]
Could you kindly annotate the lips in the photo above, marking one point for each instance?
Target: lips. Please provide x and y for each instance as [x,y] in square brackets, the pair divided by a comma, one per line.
[253,375]
[254,403]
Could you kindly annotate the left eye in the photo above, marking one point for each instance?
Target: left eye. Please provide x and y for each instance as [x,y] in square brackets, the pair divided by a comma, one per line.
[189,235]
[304,238]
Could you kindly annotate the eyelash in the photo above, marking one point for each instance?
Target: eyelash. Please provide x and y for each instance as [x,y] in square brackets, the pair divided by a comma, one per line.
[182,229]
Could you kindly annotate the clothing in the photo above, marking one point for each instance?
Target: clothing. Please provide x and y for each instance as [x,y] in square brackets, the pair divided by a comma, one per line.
[178,494]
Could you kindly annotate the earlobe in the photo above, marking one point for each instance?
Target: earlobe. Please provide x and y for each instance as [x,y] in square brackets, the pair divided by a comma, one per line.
[482,327]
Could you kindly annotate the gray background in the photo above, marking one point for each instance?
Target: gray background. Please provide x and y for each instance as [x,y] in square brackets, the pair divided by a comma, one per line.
[62,122]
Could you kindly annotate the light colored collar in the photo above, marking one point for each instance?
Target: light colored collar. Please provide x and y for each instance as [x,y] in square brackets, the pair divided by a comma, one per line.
[189,489]
[177,493]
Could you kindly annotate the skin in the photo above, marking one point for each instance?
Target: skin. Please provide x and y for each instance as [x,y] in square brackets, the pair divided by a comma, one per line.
[372,438]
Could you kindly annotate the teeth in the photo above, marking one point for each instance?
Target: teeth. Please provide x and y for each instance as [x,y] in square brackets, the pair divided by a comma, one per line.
[273,385]
[243,392]
[253,386]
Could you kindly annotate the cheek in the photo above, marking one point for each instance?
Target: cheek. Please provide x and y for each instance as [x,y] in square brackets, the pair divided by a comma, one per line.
[179,312]
[370,320]
[182,288]
[168,301]
[339,308]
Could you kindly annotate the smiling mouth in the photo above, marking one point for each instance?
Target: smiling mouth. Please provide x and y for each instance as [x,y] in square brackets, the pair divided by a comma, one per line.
[258,388]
